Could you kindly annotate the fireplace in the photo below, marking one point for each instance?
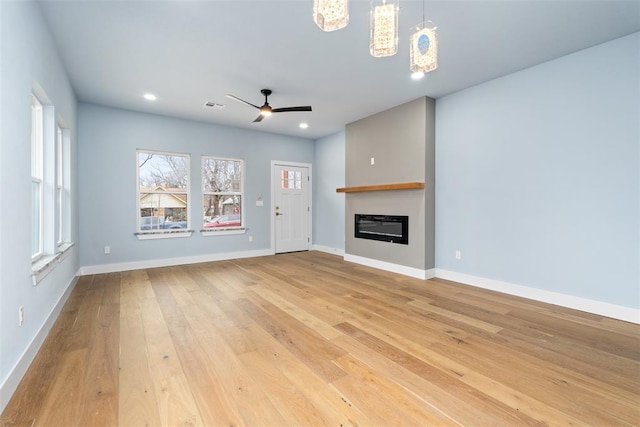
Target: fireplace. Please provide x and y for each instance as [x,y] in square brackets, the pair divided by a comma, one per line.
[386,228]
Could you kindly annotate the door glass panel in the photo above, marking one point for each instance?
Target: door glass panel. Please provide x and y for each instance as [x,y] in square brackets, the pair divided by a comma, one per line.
[291,179]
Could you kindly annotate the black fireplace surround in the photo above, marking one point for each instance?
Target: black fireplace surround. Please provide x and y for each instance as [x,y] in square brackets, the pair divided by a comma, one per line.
[387,228]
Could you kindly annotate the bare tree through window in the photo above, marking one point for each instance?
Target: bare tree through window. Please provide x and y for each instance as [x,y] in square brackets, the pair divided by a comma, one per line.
[163,185]
[222,191]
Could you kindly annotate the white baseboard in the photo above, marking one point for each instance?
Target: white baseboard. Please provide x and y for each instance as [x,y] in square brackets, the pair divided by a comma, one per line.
[167,262]
[614,311]
[18,371]
[394,268]
[327,249]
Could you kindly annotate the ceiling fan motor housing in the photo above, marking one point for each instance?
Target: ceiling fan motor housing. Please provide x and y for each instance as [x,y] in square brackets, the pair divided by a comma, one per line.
[265,109]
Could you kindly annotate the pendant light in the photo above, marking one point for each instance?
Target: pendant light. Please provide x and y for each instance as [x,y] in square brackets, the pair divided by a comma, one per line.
[423,52]
[331,15]
[423,48]
[383,28]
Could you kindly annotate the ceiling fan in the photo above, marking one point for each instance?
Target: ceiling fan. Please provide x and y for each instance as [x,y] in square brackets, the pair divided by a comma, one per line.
[266,109]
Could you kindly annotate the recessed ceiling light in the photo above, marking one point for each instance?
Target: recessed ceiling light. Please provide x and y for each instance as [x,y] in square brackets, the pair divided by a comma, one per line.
[303,125]
[150,97]
[417,75]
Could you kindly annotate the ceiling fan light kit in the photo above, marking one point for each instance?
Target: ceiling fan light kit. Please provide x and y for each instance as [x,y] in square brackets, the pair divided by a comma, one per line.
[266,110]
[330,15]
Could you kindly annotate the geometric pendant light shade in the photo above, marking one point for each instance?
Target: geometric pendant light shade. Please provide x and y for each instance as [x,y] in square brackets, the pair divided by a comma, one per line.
[331,15]
[383,39]
[423,50]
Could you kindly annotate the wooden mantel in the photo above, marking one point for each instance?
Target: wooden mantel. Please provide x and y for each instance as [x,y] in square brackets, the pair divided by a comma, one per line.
[382,187]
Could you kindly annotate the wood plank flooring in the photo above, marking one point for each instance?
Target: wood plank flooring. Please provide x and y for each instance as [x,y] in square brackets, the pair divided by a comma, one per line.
[306,339]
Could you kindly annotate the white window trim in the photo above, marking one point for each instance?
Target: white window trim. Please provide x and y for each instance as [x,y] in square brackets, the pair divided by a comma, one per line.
[242,229]
[66,186]
[47,263]
[59,188]
[43,266]
[223,231]
[162,234]
[50,170]
[37,171]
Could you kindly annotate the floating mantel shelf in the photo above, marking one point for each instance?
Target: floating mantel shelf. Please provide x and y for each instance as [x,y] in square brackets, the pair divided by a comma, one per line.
[382,187]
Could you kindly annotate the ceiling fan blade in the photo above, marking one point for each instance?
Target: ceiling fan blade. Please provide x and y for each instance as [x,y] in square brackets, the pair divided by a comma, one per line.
[258,119]
[287,109]
[235,98]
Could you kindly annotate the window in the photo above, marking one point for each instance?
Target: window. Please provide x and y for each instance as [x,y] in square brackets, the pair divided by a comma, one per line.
[59,189]
[50,188]
[163,193]
[62,190]
[222,186]
[291,179]
[62,187]
[37,177]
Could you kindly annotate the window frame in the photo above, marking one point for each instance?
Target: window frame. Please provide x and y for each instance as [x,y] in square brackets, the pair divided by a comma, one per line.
[59,188]
[241,229]
[37,177]
[62,187]
[162,233]
[50,166]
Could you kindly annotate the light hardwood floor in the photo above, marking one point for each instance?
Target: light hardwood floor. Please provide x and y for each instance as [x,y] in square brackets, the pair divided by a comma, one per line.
[308,339]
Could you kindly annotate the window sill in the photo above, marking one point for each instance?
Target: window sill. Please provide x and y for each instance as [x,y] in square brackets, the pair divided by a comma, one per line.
[64,250]
[223,231]
[164,234]
[43,266]
[46,263]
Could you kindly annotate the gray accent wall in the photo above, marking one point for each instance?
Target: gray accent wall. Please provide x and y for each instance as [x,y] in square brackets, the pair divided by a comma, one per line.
[402,142]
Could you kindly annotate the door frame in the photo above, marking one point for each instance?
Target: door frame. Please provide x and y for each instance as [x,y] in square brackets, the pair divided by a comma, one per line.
[272,215]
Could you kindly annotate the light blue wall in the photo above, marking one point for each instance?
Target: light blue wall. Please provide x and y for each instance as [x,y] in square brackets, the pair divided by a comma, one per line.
[108,169]
[28,56]
[537,176]
[328,206]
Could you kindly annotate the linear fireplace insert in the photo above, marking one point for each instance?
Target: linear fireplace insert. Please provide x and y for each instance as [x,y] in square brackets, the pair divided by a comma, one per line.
[387,228]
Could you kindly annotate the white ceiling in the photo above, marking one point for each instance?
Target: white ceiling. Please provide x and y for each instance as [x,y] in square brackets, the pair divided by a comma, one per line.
[191,52]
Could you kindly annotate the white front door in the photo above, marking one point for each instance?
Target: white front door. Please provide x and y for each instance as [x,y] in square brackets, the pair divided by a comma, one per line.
[291,208]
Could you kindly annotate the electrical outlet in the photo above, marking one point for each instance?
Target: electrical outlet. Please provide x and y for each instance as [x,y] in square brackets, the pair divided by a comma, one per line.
[458,255]
[250,239]
[107,250]
[373,161]
[21,315]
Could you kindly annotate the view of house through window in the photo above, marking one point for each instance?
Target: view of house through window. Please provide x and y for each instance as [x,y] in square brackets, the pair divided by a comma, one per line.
[163,191]
[222,192]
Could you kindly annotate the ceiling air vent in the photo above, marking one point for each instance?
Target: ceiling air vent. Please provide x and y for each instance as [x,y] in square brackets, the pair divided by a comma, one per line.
[214,105]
